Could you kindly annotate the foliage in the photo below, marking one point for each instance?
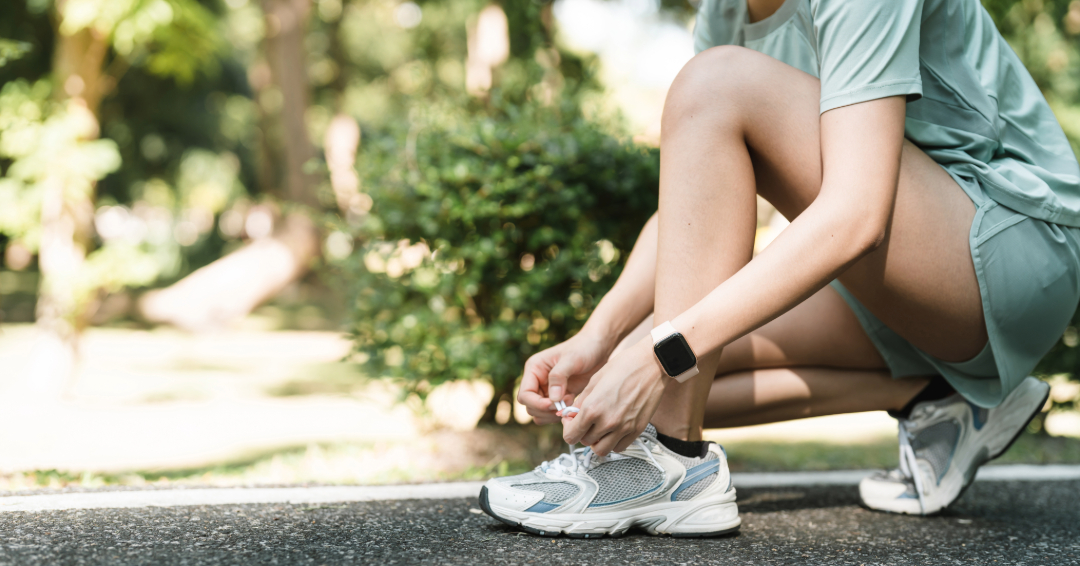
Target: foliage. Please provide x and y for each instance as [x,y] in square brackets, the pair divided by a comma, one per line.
[493,235]
[171,38]
[12,50]
[49,144]
[174,130]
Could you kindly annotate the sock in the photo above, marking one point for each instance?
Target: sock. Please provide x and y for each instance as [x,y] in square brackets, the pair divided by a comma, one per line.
[685,448]
[937,389]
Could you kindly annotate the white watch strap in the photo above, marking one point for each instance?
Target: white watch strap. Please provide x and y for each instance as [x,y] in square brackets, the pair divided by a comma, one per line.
[663,331]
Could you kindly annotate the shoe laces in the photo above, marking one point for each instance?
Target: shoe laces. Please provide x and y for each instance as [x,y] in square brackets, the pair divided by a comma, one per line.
[581,458]
[909,465]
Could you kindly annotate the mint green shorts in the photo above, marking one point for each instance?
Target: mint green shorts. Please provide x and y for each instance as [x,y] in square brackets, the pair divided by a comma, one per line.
[1029,278]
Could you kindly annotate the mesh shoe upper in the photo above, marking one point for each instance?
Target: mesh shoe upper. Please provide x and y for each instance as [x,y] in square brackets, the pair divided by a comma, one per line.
[645,471]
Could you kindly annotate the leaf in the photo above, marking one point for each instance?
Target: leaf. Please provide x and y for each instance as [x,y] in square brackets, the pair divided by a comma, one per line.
[11,50]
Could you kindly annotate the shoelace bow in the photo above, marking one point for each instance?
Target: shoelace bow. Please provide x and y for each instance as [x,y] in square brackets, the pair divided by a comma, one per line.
[579,458]
[909,466]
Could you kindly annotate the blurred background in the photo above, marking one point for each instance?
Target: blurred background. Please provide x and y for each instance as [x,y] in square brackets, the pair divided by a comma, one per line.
[307,241]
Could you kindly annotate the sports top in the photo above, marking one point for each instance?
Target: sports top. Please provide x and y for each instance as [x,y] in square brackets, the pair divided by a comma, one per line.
[971,104]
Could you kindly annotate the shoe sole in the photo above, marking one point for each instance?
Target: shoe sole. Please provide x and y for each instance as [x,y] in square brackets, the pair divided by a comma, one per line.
[485,505]
[974,469]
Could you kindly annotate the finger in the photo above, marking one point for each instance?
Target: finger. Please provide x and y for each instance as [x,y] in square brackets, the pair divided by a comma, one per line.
[625,442]
[542,414]
[597,432]
[533,382]
[609,443]
[544,418]
[535,401]
[567,366]
[575,428]
[535,377]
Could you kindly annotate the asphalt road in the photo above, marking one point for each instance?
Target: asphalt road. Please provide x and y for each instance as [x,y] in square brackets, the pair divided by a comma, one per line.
[996,523]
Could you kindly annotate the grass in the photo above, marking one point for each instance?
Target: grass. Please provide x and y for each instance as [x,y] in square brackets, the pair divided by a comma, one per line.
[813,456]
[483,454]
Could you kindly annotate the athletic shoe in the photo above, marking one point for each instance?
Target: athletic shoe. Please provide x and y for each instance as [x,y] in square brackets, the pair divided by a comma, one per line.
[942,445]
[647,486]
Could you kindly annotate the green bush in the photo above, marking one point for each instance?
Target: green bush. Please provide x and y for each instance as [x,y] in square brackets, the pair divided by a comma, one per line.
[492,236]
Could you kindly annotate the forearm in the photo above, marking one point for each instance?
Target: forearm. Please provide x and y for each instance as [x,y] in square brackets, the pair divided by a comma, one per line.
[818,246]
[630,300]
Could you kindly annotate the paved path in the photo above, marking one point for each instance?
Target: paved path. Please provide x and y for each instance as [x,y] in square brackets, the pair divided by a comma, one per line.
[996,523]
[128,498]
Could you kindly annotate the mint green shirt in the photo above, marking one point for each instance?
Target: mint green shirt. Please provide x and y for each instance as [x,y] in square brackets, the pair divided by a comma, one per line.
[971,104]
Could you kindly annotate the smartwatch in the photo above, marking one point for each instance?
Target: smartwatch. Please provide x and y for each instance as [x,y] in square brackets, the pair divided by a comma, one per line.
[673,353]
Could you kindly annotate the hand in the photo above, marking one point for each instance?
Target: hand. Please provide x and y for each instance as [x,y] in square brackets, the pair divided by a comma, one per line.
[559,373]
[618,402]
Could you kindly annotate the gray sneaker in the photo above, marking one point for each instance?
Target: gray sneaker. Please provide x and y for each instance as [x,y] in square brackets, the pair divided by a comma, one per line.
[942,445]
[646,486]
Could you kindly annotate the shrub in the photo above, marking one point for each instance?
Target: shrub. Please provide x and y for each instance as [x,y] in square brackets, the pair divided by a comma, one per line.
[492,236]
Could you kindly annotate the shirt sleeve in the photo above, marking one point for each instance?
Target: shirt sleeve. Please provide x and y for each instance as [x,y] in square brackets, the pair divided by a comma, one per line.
[719,22]
[867,49]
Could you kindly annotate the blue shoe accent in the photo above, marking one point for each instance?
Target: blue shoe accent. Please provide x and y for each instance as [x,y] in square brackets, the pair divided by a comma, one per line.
[696,474]
[643,494]
[978,415]
[541,507]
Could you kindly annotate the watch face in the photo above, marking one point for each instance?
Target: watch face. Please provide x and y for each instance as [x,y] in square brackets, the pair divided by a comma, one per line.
[675,354]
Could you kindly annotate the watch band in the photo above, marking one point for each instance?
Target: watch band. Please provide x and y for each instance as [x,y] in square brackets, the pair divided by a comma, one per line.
[662,332]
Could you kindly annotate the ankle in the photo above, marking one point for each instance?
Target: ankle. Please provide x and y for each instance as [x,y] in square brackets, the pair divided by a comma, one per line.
[686,448]
[683,431]
[936,388]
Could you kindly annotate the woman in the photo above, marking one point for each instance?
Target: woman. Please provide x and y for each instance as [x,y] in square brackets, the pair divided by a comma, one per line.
[933,258]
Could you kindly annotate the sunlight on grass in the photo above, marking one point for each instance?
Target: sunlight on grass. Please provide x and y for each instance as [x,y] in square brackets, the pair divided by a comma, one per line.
[455,456]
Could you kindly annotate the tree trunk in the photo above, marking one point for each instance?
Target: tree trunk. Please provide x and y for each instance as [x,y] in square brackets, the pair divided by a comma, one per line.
[285,52]
[504,391]
[66,225]
[233,286]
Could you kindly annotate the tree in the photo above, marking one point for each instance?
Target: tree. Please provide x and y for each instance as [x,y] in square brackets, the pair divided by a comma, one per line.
[234,285]
[56,158]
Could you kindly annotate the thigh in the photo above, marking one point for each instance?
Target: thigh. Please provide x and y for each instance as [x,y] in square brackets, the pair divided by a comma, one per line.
[921,281]
[821,331]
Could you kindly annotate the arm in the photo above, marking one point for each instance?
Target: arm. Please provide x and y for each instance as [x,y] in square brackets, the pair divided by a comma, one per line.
[861,146]
[860,151]
[630,300]
[562,371]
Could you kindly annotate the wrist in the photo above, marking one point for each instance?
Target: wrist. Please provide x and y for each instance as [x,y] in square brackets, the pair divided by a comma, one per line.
[673,352]
[602,332]
[656,369]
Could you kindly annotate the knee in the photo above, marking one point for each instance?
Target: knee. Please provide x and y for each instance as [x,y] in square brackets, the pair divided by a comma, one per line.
[716,84]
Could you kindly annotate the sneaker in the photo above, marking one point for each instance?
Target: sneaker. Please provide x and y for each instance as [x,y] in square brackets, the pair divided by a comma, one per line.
[646,486]
[942,445]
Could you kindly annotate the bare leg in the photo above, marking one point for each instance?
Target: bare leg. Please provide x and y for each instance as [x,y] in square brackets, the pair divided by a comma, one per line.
[707,218]
[729,132]
[811,361]
[772,395]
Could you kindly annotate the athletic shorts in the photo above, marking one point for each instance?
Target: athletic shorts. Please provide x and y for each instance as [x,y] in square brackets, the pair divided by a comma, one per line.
[1029,279]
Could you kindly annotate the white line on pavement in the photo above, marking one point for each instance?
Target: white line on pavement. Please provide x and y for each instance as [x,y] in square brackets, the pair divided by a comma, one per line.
[344,494]
[1013,472]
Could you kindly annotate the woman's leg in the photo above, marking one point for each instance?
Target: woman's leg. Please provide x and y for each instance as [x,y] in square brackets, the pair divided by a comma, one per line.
[736,123]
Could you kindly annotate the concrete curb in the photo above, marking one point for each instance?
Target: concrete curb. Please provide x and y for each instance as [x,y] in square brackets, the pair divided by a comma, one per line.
[345,494]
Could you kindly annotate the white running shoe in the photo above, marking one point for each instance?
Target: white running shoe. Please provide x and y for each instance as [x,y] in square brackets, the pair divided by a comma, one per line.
[646,486]
[942,445]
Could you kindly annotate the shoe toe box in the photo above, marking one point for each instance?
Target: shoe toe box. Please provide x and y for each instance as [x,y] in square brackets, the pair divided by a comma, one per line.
[501,494]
